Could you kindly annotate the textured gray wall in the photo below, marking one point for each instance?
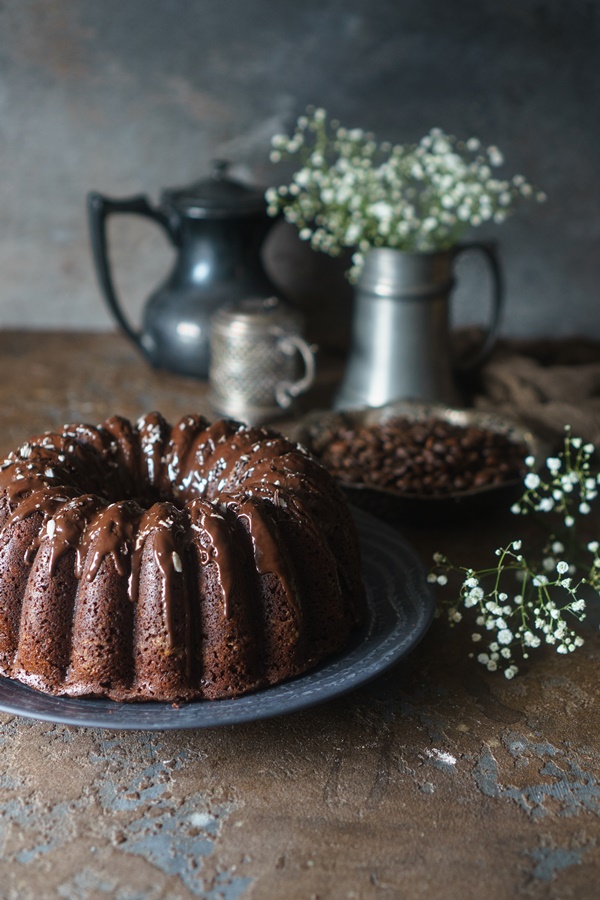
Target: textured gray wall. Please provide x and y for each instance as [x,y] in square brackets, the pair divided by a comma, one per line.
[125,96]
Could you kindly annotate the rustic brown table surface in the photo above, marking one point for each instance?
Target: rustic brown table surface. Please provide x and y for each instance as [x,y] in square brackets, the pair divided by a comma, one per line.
[436,780]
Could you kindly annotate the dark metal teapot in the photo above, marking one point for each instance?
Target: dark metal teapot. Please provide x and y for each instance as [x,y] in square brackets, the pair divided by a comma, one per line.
[218,226]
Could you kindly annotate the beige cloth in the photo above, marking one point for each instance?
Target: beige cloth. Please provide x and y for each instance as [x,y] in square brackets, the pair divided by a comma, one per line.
[545,385]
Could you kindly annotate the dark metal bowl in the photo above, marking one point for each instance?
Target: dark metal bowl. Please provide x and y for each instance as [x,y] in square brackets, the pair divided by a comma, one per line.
[316,429]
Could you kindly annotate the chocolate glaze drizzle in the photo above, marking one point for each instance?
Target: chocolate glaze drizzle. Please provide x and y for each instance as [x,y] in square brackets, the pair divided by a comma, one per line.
[215,545]
[106,491]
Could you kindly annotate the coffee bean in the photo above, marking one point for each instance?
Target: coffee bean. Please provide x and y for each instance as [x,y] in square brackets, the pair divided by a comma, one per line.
[428,457]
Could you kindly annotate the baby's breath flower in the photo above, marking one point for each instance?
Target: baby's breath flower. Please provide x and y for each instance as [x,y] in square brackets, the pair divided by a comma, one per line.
[549,598]
[354,192]
[532,480]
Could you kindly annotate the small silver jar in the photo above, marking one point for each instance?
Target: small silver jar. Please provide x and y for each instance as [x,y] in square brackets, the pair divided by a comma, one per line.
[254,360]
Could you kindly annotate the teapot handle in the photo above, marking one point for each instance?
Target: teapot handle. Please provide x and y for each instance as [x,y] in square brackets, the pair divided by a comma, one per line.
[99,208]
[491,257]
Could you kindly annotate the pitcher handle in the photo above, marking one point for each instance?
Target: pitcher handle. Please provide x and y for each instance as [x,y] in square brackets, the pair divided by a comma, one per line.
[490,255]
[99,209]
[286,391]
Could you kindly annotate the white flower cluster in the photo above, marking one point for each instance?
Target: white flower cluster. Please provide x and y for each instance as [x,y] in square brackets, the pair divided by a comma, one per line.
[353,192]
[545,596]
[569,488]
[526,619]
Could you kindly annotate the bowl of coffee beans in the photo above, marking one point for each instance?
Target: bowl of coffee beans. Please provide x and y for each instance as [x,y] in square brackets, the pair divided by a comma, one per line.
[426,462]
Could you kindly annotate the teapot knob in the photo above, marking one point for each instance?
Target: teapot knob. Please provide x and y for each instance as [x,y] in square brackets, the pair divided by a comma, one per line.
[220,168]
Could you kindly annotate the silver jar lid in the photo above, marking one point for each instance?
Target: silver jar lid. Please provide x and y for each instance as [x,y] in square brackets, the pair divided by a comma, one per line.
[255,314]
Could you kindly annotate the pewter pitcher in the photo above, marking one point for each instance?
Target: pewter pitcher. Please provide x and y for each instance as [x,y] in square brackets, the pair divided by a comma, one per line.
[400,347]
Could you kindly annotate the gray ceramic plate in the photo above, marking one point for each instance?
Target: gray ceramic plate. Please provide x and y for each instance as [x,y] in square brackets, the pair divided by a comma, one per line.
[401,607]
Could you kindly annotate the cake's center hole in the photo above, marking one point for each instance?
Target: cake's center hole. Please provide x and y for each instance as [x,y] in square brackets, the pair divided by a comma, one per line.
[178,491]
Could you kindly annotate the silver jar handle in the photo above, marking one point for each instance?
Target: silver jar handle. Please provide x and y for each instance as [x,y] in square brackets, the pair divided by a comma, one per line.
[286,391]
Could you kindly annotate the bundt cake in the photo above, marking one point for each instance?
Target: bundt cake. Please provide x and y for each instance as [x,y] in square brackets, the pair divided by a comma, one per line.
[150,562]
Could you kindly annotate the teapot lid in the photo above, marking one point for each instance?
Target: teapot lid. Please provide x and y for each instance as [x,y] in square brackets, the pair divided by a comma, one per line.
[216,197]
